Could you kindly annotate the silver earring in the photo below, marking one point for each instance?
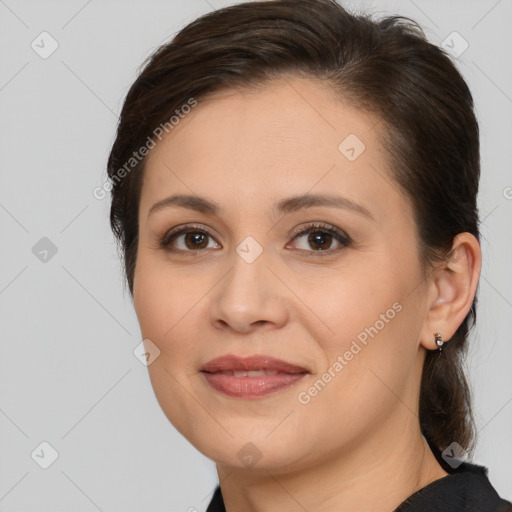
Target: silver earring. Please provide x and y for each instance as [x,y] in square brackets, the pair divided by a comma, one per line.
[439,341]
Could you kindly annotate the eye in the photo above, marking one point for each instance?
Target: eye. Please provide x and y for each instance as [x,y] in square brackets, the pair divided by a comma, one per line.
[192,238]
[321,238]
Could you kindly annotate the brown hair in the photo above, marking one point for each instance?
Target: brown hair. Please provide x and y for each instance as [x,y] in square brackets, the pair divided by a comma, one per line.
[383,66]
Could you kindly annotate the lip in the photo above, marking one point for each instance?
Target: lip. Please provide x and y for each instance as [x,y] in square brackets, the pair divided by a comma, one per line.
[219,373]
[231,362]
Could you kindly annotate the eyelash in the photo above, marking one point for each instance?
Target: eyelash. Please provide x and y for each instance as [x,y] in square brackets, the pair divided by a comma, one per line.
[338,235]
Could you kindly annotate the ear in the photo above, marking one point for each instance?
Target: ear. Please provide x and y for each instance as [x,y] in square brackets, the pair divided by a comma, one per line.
[452,287]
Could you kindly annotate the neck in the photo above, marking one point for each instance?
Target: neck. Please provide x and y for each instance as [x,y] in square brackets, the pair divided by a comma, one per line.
[378,472]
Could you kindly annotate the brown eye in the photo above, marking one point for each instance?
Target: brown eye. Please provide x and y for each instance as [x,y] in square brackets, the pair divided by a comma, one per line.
[320,238]
[195,240]
[188,239]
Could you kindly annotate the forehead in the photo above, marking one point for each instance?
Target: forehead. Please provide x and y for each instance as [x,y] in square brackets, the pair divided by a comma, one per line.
[287,138]
[287,116]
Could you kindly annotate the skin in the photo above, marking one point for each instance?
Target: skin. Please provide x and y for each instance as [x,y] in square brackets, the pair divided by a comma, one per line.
[357,444]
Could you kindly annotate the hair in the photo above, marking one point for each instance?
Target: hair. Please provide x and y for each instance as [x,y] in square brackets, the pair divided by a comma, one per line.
[386,67]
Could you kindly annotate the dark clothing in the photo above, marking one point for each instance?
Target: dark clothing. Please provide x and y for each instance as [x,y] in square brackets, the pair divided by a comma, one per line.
[465,489]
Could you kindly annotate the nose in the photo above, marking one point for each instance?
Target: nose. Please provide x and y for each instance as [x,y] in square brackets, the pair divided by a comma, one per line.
[249,297]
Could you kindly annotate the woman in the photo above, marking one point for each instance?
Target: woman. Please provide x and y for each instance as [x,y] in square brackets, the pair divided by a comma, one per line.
[294,192]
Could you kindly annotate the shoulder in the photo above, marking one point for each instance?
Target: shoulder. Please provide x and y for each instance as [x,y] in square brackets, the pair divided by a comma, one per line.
[465,489]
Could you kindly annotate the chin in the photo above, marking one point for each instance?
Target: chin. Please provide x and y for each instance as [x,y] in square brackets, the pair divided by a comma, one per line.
[254,453]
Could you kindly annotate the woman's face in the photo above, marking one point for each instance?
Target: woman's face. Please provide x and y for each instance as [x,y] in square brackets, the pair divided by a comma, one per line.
[244,282]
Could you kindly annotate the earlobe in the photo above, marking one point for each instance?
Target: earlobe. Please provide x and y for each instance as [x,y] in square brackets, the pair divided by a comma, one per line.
[453,288]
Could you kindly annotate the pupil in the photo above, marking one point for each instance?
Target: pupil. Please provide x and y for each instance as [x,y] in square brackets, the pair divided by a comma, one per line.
[317,237]
[195,239]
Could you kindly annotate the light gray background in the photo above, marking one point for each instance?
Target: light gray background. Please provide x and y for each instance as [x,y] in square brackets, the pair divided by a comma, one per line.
[68,373]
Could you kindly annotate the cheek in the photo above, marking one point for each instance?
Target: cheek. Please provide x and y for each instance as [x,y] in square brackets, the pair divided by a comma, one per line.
[371,352]
[162,308]
[161,299]
[169,306]
[371,322]
[353,304]
[368,366]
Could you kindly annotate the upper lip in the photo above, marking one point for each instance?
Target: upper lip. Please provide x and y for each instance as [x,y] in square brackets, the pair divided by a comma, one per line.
[248,363]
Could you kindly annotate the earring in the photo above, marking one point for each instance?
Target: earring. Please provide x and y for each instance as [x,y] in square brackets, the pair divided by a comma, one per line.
[439,341]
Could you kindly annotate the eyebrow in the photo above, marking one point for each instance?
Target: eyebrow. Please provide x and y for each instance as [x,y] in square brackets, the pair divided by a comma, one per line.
[287,205]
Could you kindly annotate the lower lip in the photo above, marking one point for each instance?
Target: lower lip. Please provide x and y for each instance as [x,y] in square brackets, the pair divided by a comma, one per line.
[251,387]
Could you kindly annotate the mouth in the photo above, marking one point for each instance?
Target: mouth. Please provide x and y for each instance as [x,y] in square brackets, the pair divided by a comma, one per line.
[247,373]
[251,377]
